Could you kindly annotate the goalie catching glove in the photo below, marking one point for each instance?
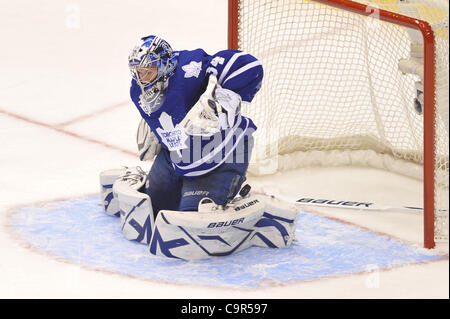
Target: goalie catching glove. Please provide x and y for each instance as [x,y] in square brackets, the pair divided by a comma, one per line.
[215,110]
[229,103]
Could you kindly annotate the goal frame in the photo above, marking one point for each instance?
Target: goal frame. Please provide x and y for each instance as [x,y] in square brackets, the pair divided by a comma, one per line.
[429,89]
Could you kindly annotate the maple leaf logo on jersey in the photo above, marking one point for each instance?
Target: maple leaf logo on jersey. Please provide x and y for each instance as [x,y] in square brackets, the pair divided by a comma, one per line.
[172,136]
[192,69]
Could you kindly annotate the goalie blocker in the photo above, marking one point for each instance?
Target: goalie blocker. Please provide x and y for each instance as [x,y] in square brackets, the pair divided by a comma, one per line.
[212,231]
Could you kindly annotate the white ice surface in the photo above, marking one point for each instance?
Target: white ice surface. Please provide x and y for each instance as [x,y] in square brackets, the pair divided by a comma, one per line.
[63,60]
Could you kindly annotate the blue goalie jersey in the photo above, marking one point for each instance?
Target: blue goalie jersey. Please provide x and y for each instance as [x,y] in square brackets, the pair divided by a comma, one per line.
[192,155]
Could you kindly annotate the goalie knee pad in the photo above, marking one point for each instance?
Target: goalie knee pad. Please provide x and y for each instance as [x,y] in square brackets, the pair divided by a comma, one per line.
[257,220]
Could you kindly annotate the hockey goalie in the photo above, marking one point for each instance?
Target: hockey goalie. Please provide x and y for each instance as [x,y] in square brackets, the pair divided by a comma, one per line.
[192,203]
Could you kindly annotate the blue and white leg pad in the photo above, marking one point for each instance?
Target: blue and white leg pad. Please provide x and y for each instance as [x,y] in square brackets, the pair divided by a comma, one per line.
[257,220]
[136,213]
[109,201]
[122,198]
[212,231]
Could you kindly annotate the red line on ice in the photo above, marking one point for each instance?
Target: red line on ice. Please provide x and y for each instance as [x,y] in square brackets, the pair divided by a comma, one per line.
[66,132]
[93,114]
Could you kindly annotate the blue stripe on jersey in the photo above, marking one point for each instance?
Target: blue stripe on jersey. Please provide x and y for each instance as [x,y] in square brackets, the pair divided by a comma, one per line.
[241,70]
[219,154]
[228,66]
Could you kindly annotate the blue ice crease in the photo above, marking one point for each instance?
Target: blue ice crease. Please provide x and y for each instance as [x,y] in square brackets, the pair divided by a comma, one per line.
[79,231]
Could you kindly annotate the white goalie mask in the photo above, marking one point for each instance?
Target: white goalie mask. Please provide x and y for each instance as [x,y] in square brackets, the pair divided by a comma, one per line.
[151,63]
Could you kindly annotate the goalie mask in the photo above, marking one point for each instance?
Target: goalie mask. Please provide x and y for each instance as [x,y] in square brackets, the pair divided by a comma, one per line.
[151,63]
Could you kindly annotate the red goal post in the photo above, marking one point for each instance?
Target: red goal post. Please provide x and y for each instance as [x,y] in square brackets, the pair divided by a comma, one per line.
[429,111]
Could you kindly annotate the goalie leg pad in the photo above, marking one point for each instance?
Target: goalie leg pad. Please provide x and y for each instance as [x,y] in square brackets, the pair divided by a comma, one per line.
[110,203]
[257,220]
[136,213]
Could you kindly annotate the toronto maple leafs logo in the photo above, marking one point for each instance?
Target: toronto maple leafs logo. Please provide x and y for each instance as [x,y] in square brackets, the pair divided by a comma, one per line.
[173,137]
[192,69]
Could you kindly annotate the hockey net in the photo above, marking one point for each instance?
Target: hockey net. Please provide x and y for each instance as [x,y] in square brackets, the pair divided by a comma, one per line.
[350,83]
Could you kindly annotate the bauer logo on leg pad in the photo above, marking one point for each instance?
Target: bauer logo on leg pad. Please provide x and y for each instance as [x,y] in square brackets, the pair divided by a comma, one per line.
[227,223]
[251,203]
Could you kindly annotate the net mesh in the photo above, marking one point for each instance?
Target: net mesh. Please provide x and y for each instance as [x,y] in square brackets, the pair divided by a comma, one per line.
[333,93]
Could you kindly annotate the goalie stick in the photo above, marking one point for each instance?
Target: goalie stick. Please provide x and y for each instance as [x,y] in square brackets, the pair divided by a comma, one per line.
[347,204]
